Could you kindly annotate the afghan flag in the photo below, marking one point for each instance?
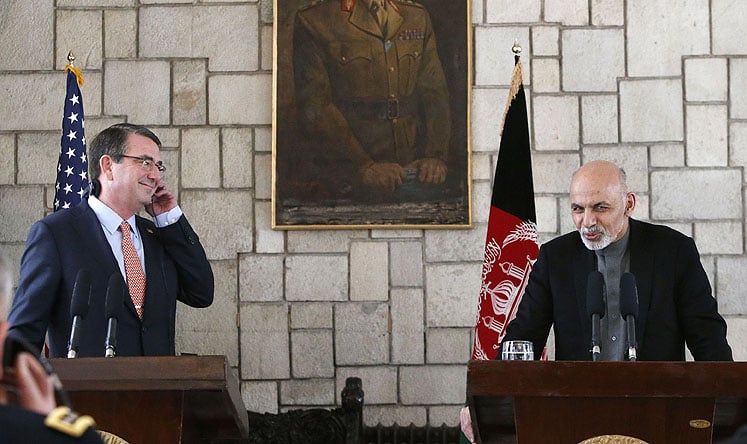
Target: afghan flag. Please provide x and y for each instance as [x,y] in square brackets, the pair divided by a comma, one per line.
[511,244]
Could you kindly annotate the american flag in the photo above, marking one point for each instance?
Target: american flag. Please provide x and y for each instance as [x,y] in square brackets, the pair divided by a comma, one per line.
[72,166]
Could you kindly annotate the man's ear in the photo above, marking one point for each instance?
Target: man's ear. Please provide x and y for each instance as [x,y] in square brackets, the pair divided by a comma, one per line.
[105,164]
[630,200]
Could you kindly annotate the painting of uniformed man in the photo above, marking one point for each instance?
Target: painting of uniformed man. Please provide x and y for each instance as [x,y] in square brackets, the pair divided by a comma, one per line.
[370,124]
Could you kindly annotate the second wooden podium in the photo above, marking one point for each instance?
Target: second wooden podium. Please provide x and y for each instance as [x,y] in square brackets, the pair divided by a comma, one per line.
[169,399]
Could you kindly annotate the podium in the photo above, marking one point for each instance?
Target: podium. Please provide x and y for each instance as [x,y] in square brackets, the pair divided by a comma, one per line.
[566,402]
[165,399]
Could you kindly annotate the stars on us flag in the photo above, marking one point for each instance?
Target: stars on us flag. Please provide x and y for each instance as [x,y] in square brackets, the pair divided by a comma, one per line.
[72,167]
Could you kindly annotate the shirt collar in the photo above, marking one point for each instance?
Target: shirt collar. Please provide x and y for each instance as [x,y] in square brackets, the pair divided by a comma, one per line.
[108,218]
[617,248]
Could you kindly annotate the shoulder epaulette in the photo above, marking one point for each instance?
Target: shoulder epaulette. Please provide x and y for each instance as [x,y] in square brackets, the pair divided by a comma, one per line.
[68,422]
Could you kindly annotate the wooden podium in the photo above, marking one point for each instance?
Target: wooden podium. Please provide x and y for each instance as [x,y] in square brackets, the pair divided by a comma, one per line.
[567,402]
[169,399]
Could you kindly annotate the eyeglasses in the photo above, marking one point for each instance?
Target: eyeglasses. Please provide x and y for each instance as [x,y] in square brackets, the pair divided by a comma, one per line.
[147,162]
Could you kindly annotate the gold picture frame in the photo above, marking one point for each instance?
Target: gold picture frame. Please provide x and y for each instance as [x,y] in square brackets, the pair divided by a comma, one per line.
[371,130]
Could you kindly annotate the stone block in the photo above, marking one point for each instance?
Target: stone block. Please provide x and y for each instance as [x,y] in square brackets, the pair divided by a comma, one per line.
[311,315]
[22,206]
[444,415]
[212,330]
[453,290]
[265,34]
[668,29]
[696,194]
[546,75]
[651,110]
[262,176]
[27,37]
[265,11]
[481,196]
[268,240]
[222,219]
[507,11]
[260,396]
[567,12]
[448,345]
[599,119]
[406,264]
[237,157]
[738,88]
[738,144]
[552,172]
[607,13]
[263,139]
[322,241]
[379,383]
[265,345]
[494,67]
[189,92]
[545,41]
[26,100]
[593,59]
[361,333]
[79,31]
[560,128]
[316,278]
[483,166]
[706,79]
[667,155]
[8,152]
[203,31]
[408,346]
[124,93]
[201,158]
[388,415]
[487,118]
[706,138]
[566,221]
[732,273]
[454,245]
[240,99]
[727,20]
[95,3]
[260,277]
[120,33]
[547,213]
[737,328]
[395,234]
[433,384]
[719,237]
[44,148]
[369,271]
[311,354]
[633,159]
[307,392]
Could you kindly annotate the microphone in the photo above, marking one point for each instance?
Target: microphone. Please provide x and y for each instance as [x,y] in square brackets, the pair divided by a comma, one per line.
[114,297]
[81,299]
[629,310]
[596,309]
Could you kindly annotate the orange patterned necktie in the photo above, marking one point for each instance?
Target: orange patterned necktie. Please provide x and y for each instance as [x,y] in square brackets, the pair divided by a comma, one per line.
[133,269]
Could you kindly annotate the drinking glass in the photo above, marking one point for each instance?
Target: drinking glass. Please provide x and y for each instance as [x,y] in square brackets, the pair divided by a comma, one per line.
[518,351]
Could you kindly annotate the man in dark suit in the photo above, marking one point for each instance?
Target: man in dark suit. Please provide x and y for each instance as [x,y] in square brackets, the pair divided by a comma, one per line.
[164,261]
[676,305]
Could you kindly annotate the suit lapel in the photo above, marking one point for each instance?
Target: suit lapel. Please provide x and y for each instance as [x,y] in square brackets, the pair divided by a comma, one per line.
[642,267]
[362,18]
[152,263]
[91,239]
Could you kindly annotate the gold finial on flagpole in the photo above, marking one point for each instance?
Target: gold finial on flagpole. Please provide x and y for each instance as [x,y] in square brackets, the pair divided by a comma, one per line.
[516,48]
[73,69]
[70,58]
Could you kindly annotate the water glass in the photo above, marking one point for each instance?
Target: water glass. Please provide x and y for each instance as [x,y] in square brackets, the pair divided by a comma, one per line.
[517,351]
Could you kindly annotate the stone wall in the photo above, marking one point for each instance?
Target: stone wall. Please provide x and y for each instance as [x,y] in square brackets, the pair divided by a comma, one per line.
[659,86]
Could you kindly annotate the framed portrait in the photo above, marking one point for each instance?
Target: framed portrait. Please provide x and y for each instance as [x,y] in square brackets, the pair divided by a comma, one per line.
[371,124]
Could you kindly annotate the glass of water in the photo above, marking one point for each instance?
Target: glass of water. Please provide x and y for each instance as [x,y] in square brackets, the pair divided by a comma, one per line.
[517,351]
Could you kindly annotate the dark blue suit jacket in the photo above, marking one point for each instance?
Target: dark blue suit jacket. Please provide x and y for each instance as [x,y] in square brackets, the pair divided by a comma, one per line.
[675,302]
[67,241]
